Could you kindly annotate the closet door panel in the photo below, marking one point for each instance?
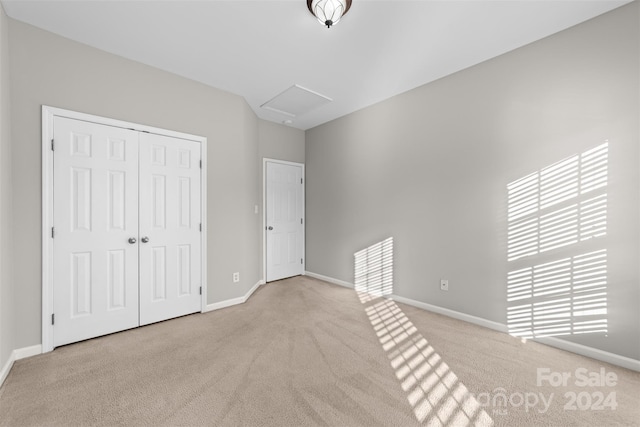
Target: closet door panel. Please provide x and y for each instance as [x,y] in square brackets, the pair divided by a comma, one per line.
[170,270]
[95,213]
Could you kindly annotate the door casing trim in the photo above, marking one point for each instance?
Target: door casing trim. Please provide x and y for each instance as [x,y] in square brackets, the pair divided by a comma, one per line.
[266,160]
[48,114]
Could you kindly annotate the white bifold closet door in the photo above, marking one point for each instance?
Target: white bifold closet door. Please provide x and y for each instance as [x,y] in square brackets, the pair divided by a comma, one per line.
[126,246]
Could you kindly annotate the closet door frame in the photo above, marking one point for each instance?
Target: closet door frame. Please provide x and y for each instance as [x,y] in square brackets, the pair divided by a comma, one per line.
[48,114]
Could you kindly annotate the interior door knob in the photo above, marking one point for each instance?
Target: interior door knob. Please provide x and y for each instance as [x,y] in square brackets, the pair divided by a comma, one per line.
[270,228]
[145,239]
[132,240]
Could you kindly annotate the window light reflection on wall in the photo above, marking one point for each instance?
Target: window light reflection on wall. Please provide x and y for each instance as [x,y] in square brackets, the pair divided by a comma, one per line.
[557,222]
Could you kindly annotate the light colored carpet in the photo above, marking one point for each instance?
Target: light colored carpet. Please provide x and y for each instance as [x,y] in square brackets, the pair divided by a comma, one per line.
[303,352]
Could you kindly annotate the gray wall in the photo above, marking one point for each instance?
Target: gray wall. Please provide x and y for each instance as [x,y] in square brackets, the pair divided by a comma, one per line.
[280,142]
[48,69]
[430,168]
[7,343]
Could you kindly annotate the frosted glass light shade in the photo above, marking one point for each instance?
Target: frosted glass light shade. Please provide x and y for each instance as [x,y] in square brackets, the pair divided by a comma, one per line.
[328,12]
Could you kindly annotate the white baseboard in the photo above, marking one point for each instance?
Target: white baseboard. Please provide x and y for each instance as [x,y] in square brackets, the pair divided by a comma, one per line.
[7,368]
[496,326]
[233,301]
[594,353]
[572,347]
[329,279]
[583,350]
[25,352]
[18,354]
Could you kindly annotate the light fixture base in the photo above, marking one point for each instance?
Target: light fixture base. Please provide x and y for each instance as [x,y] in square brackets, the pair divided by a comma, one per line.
[328,12]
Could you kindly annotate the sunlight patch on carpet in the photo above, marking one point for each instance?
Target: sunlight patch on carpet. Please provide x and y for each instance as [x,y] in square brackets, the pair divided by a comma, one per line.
[434,392]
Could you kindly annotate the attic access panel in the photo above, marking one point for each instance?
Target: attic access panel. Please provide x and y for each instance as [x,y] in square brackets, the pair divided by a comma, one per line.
[296,101]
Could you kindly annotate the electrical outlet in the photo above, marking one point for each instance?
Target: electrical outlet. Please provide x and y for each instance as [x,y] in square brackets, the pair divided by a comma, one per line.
[236,277]
[444,285]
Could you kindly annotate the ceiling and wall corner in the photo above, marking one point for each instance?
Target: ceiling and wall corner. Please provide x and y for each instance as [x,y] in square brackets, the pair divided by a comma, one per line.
[430,168]
[258,49]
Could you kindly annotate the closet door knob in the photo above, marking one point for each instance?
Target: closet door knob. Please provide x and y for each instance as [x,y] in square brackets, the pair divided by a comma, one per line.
[145,239]
[132,240]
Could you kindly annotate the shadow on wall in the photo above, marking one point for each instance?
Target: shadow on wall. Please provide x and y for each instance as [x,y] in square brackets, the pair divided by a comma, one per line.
[557,255]
[436,395]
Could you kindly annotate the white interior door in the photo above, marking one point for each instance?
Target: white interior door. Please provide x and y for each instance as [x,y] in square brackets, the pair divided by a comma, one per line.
[95,212]
[284,221]
[170,270]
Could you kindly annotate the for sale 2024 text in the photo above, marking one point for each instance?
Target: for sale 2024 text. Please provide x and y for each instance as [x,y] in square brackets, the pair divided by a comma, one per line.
[588,400]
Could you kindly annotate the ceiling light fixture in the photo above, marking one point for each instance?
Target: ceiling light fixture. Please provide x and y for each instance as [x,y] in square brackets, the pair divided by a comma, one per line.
[328,12]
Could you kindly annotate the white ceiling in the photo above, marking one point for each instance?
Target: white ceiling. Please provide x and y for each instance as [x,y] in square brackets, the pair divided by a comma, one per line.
[257,49]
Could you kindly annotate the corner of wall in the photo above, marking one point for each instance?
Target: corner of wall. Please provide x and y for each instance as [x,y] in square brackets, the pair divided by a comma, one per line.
[276,141]
[7,332]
